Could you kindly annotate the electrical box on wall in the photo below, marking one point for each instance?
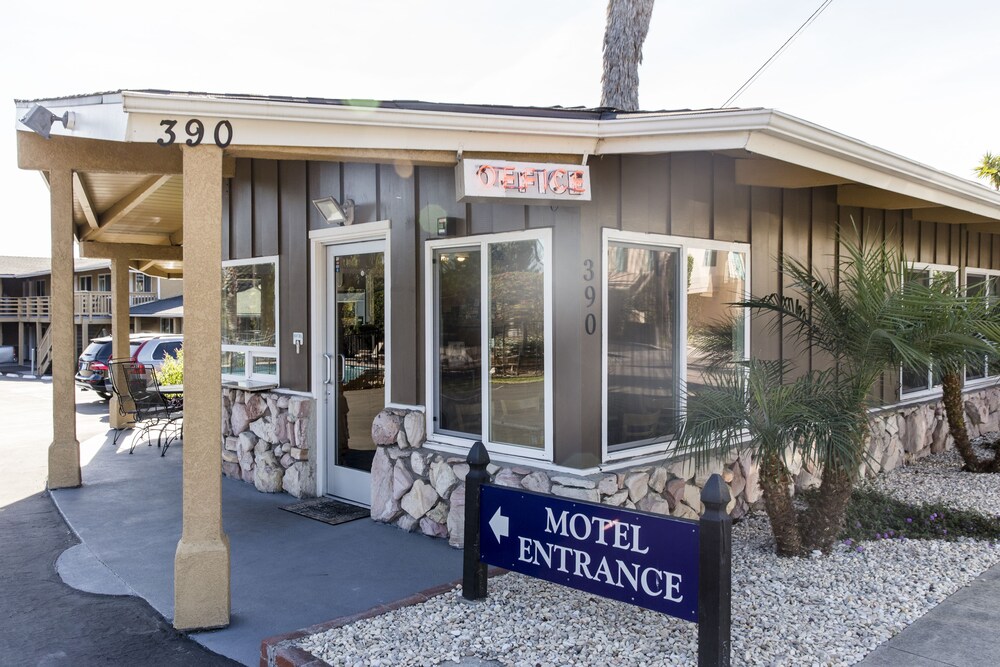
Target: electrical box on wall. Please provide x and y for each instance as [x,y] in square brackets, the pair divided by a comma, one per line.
[446,226]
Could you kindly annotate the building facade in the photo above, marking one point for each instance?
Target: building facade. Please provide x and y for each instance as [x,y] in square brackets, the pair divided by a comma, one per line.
[389,283]
[25,305]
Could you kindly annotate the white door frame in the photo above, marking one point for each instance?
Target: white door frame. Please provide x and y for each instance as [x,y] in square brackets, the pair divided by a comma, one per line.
[319,240]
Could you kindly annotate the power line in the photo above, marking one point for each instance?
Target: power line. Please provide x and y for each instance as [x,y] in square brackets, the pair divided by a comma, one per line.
[815,14]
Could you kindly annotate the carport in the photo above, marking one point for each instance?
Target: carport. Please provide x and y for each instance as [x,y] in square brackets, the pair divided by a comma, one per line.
[134,203]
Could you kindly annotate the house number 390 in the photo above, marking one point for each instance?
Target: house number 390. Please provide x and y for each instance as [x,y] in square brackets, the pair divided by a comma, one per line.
[195,130]
[590,294]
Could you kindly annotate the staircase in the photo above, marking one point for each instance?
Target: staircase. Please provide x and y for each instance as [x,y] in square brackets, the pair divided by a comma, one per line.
[44,353]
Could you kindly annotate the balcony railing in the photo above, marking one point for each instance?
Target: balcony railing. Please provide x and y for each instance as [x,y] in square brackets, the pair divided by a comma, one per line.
[85,304]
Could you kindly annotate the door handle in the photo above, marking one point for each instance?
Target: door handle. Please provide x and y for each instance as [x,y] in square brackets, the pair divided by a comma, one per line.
[329,367]
[343,368]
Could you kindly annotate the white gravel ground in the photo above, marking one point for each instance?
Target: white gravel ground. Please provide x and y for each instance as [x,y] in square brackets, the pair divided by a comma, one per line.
[824,610]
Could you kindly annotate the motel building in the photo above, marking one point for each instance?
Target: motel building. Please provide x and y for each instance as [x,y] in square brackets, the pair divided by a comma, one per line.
[373,287]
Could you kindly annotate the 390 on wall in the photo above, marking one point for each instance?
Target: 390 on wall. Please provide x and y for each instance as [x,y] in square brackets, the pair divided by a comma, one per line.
[195,131]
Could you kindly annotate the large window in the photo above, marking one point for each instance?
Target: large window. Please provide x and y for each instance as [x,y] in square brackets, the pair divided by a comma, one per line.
[104,282]
[491,336]
[664,299]
[250,319]
[923,379]
[983,282]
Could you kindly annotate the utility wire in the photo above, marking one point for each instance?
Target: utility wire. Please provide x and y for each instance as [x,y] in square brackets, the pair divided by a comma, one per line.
[740,91]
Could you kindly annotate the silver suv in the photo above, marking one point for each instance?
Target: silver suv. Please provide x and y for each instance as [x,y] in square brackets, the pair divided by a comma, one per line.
[154,350]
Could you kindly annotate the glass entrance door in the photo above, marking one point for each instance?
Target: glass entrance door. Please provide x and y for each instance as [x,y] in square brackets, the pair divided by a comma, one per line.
[355,365]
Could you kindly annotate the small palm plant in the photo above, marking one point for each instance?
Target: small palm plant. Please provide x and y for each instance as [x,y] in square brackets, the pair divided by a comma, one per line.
[746,406]
[866,323]
[962,331]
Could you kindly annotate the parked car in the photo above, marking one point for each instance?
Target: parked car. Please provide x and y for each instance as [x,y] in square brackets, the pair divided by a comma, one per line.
[7,354]
[92,368]
[153,351]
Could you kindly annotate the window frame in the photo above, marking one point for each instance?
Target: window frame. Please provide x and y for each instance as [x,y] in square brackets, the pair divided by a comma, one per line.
[987,379]
[104,282]
[684,245]
[249,352]
[448,440]
[85,280]
[932,390]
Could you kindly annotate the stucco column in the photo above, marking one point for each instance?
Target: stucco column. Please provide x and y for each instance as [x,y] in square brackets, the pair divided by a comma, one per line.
[64,452]
[119,328]
[201,565]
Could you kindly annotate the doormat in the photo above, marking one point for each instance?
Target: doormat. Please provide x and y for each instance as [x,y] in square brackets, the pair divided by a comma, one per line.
[327,510]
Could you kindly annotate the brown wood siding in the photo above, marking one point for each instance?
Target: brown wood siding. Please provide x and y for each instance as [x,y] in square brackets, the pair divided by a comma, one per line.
[691,194]
[645,188]
[265,208]
[241,211]
[268,206]
[405,252]
[796,217]
[731,203]
[293,273]
[824,252]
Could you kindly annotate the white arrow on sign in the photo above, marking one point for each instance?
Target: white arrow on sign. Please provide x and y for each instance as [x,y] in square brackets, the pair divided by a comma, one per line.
[500,525]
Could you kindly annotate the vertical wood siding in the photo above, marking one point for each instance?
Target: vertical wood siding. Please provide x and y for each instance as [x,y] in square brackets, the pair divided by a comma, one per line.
[268,207]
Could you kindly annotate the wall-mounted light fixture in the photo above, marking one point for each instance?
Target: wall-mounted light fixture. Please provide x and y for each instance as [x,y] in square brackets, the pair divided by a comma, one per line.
[39,119]
[334,212]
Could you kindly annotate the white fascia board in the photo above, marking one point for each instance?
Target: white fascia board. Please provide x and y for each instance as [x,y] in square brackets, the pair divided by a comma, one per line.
[798,142]
[136,116]
[280,123]
[95,116]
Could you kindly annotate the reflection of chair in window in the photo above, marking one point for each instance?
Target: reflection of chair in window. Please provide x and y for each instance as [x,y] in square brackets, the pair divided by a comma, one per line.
[463,417]
[637,426]
[520,421]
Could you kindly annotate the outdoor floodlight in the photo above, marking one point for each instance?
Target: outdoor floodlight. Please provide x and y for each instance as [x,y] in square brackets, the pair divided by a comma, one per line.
[39,119]
[334,212]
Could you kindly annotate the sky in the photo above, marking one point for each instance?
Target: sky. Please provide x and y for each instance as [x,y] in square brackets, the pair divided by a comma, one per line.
[915,77]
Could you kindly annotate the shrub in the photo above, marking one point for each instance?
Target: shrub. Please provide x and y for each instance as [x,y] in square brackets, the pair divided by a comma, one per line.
[172,370]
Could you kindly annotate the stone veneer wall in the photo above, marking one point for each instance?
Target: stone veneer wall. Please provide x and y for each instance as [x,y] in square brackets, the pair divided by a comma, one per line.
[419,489]
[266,441]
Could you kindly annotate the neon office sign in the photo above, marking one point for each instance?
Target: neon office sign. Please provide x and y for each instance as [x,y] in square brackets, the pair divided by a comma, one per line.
[483,179]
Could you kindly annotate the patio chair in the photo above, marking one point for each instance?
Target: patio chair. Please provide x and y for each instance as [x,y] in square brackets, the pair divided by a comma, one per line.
[142,404]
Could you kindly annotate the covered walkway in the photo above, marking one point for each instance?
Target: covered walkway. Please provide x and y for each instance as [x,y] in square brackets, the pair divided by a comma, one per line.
[292,572]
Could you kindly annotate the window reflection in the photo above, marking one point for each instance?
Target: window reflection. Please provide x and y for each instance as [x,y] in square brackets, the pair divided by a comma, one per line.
[642,330]
[517,343]
[715,279]
[459,334]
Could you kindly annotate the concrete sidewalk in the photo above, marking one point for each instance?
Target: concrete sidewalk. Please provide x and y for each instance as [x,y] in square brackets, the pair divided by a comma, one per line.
[960,631]
[288,571]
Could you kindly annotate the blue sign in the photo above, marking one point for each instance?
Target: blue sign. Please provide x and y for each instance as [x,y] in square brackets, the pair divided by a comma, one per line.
[639,558]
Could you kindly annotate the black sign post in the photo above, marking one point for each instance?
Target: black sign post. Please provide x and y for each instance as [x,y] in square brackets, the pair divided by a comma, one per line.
[474,570]
[675,566]
[715,560]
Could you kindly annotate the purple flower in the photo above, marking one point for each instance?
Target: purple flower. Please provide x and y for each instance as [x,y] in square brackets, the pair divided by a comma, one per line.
[909,520]
[848,542]
[860,548]
[945,531]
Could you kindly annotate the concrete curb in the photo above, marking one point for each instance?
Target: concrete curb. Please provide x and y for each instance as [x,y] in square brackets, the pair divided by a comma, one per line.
[278,651]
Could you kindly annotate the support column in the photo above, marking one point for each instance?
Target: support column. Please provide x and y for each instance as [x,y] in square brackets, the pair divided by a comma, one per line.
[64,452]
[119,329]
[21,347]
[201,565]
[39,335]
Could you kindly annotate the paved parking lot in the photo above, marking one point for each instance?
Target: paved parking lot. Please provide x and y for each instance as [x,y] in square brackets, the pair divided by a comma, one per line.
[42,620]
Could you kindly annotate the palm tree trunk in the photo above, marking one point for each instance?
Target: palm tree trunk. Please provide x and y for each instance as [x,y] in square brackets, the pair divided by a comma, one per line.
[624,34]
[951,396]
[824,519]
[774,483]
